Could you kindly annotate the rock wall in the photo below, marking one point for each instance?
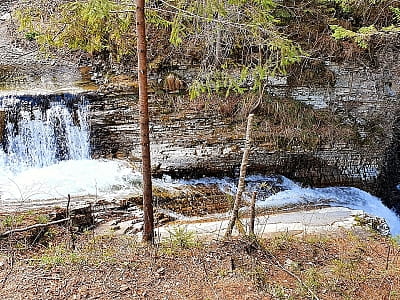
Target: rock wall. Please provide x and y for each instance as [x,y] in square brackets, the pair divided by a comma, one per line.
[187,141]
[24,68]
[190,143]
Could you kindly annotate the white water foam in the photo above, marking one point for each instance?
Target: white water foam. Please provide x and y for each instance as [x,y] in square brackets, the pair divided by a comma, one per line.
[279,191]
[103,179]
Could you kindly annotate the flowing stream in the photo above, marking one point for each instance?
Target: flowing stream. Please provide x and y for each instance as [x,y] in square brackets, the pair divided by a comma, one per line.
[45,156]
[279,191]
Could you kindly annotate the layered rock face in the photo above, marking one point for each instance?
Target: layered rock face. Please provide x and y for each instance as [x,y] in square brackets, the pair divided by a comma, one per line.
[188,141]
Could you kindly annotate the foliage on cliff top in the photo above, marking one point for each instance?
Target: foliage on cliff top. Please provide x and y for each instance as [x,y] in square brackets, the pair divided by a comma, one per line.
[80,25]
[237,44]
[91,25]
[339,29]
[217,34]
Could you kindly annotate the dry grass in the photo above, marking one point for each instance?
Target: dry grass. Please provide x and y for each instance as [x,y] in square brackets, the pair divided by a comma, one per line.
[281,124]
[346,265]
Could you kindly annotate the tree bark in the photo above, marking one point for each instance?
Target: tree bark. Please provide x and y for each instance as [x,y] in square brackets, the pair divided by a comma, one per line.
[252,214]
[242,176]
[144,122]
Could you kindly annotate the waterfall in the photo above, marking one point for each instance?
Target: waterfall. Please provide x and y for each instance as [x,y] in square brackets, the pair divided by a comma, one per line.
[45,155]
[40,131]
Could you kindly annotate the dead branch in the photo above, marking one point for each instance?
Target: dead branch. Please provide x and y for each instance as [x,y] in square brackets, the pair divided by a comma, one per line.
[276,262]
[7,233]
[242,176]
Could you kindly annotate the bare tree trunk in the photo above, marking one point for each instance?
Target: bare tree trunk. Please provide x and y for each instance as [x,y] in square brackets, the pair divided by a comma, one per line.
[242,176]
[144,122]
[252,213]
[218,43]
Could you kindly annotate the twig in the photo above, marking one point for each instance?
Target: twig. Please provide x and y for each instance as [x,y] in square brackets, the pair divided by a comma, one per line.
[275,261]
[388,258]
[69,201]
[7,233]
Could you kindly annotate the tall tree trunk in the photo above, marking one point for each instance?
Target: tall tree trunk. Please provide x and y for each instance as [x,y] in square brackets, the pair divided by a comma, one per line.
[242,176]
[144,122]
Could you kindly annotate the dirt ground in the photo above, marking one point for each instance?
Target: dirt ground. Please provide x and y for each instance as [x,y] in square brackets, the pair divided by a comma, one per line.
[56,263]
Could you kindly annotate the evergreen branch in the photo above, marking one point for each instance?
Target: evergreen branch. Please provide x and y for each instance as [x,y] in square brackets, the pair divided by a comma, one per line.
[196,16]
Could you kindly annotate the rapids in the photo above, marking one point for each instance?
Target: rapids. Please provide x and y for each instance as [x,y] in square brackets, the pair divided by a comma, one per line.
[45,156]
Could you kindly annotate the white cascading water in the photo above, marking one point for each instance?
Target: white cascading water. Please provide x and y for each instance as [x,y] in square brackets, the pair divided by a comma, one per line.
[279,191]
[46,155]
[40,139]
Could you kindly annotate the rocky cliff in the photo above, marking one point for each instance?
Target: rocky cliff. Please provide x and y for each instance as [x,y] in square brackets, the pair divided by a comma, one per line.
[195,139]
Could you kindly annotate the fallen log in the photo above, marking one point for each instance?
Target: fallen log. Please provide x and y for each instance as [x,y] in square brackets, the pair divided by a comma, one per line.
[9,232]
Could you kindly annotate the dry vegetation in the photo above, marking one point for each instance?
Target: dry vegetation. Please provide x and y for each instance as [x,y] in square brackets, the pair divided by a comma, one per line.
[348,265]
[283,124]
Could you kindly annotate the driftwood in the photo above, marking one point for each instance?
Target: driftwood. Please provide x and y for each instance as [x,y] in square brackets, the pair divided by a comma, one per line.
[7,233]
[80,217]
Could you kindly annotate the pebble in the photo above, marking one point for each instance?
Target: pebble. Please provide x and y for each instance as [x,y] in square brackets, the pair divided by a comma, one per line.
[5,17]
[124,288]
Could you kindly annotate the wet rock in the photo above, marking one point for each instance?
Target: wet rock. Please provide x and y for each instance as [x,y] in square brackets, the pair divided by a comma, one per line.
[125,227]
[82,217]
[375,223]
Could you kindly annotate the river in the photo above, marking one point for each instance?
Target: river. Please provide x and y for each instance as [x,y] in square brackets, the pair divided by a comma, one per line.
[46,157]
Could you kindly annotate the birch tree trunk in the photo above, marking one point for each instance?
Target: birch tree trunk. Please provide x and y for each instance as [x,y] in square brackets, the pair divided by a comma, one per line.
[252,214]
[242,176]
[144,122]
